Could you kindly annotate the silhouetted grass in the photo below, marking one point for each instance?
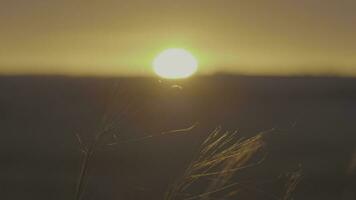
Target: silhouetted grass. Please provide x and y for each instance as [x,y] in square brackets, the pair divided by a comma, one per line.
[221,155]
[211,174]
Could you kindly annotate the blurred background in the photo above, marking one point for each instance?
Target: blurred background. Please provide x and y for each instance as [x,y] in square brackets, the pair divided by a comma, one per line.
[70,68]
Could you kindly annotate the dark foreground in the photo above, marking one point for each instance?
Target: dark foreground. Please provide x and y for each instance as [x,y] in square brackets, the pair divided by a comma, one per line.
[314,121]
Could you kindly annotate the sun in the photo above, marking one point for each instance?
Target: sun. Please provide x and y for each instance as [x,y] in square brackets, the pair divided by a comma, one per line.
[175,64]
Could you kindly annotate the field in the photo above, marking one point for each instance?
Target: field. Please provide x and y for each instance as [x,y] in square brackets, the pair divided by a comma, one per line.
[313,122]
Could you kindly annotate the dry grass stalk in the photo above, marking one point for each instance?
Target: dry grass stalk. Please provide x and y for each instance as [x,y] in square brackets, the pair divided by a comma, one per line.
[220,157]
[88,154]
[293,179]
[89,150]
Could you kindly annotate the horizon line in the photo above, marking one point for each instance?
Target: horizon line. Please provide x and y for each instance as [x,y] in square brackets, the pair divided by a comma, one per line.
[210,75]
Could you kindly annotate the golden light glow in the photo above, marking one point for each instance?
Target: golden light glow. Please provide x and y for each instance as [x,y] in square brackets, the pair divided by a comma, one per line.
[175,64]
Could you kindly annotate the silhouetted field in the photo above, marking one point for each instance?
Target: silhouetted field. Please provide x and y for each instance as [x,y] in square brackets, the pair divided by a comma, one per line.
[314,121]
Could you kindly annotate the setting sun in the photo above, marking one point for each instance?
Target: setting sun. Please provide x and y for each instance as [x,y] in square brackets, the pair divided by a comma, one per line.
[175,64]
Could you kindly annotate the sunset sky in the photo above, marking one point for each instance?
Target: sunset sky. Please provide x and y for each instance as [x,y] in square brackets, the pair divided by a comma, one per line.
[117,37]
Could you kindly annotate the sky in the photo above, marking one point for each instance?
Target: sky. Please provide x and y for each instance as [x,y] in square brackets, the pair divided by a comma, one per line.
[117,37]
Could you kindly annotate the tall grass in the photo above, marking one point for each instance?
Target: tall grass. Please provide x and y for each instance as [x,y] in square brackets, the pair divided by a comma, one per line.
[90,149]
[210,175]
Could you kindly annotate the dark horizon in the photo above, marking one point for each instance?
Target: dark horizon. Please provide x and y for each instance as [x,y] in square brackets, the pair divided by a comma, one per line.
[152,76]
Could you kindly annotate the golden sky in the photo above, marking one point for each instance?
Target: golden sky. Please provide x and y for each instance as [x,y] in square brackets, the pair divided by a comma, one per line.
[119,37]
